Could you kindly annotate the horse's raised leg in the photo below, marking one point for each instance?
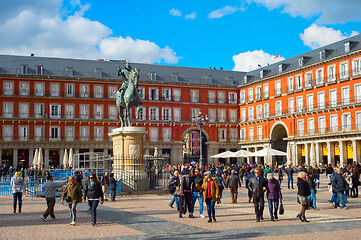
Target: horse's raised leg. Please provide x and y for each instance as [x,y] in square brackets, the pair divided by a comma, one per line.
[128,115]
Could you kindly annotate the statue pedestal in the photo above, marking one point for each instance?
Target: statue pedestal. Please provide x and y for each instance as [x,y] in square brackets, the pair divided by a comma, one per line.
[128,163]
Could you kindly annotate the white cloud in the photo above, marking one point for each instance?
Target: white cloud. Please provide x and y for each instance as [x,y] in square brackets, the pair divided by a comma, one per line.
[317,36]
[54,35]
[191,16]
[327,11]
[175,12]
[249,60]
[227,10]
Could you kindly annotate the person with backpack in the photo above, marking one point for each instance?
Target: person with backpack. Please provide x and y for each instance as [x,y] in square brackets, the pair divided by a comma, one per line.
[174,183]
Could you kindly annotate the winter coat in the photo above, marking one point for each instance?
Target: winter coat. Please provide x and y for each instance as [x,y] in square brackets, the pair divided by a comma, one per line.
[174,182]
[73,191]
[338,183]
[196,180]
[273,189]
[50,188]
[214,189]
[254,183]
[17,184]
[303,187]
[112,183]
[233,181]
[187,183]
[94,192]
[311,182]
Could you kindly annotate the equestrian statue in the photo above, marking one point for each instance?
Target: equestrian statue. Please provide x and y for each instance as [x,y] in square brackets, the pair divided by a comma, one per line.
[128,95]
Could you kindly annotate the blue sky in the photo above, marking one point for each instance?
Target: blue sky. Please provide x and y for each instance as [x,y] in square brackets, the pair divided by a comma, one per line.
[231,34]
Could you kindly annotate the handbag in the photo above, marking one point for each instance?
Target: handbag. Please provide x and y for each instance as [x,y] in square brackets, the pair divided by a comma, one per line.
[282,209]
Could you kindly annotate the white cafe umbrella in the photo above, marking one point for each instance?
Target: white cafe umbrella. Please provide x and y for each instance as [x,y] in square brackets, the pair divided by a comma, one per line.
[70,160]
[35,159]
[156,153]
[65,158]
[267,152]
[226,154]
[40,159]
[312,154]
[241,153]
[289,154]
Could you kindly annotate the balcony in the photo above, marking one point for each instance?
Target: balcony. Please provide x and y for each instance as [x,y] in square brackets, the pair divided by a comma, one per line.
[320,81]
[258,96]
[221,100]
[331,79]
[211,100]
[329,130]
[290,89]
[177,98]
[250,98]
[194,99]
[344,76]
[308,84]
[277,92]
[356,72]
[265,95]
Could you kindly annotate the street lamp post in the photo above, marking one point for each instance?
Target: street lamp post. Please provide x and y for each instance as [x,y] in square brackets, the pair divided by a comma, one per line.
[200,121]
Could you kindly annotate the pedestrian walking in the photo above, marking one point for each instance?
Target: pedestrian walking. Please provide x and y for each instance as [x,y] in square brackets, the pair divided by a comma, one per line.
[273,196]
[258,185]
[290,172]
[72,196]
[50,194]
[312,184]
[94,193]
[338,187]
[233,182]
[17,186]
[249,176]
[210,193]
[302,195]
[173,186]
[221,185]
[112,186]
[186,188]
[196,193]
[105,185]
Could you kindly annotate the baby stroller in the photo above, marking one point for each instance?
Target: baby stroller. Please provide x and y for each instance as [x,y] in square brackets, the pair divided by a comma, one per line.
[181,203]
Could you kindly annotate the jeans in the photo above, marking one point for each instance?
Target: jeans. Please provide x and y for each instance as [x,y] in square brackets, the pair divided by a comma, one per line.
[18,196]
[113,193]
[313,196]
[105,190]
[329,178]
[94,204]
[50,202]
[290,180]
[200,201]
[339,199]
[270,206]
[174,199]
[72,209]
[258,206]
[210,208]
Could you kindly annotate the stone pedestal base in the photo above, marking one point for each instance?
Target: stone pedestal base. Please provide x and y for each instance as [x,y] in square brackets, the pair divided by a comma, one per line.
[128,152]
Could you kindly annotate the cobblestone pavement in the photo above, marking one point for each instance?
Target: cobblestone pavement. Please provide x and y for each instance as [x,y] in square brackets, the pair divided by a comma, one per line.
[150,217]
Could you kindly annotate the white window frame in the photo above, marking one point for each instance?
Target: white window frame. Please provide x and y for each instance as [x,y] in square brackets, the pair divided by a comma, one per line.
[112,112]
[278,111]
[153,97]
[55,113]
[167,114]
[300,130]
[308,79]
[334,125]
[166,94]
[321,104]
[153,113]
[39,91]
[344,73]
[321,129]
[232,115]
[69,137]
[98,91]
[291,109]
[222,115]
[26,113]
[24,88]
[8,132]
[356,66]
[250,114]
[278,87]
[266,110]
[167,134]
[8,88]
[84,90]
[331,77]
[42,135]
[310,130]
[51,138]
[23,132]
[333,102]
[251,133]
[242,134]
[299,83]
[345,99]
[37,112]
[112,91]
[54,92]
[233,134]
[232,98]
[265,91]
[84,133]
[82,108]
[320,78]
[250,95]
[194,95]
[242,97]
[69,111]
[259,132]
[259,113]
[69,89]
[357,93]
[153,133]
[212,96]
[98,133]
[299,106]
[243,115]
[142,92]
[98,115]
[346,126]
[221,97]
[222,134]
[142,113]
[291,86]
[310,105]
[177,110]
[177,94]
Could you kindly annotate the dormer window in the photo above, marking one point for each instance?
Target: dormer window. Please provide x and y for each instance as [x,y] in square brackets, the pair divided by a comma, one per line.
[322,54]
[98,72]
[261,74]
[245,79]
[24,69]
[300,62]
[347,47]
[153,76]
[69,71]
[209,79]
[230,80]
[39,70]
[175,77]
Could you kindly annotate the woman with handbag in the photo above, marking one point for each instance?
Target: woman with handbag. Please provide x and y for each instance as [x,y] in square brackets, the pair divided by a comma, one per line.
[302,194]
[72,195]
[274,196]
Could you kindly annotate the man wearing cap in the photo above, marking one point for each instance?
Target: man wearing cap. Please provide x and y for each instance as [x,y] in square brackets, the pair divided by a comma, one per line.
[258,185]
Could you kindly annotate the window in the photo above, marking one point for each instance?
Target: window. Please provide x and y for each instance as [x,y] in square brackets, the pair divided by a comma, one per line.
[39,70]
[261,74]
[54,133]
[153,94]
[69,133]
[69,90]
[300,128]
[258,92]
[278,108]
[69,72]
[98,72]
[39,110]
[250,95]
[167,134]
[344,70]
[167,114]
[308,80]
[251,133]
[356,70]
[280,68]
[221,97]
[334,123]
[233,134]
[23,133]
[358,120]
[112,90]
[299,84]
[259,114]
[319,76]
[358,93]
[166,94]
[24,88]
[99,133]
[310,125]
[24,69]
[278,88]
[194,113]
[321,100]
[233,115]
[84,111]
[322,55]
[177,95]
[153,134]
[152,76]
[112,112]
[266,110]
[222,115]
[84,133]
[55,110]
[23,110]
[347,47]
[322,124]
[174,77]
[331,73]
[243,134]
[98,91]
[153,114]
[142,114]
[222,134]
[211,96]
[265,91]
[299,104]
[250,114]
[8,88]
[346,121]
[39,89]
[177,114]
[259,132]
[208,78]
[300,61]
[8,133]
[345,95]
[98,112]
[84,91]
[194,96]
[54,89]
[291,105]
[243,115]
[242,97]
[290,84]
[39,133]
[333,98]
[310,102]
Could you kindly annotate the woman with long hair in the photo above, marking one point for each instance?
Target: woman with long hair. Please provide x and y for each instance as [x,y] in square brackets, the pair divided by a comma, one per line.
[211,193]
[17,185]
[72,195]
[302,194]
[93,191]
[355,182]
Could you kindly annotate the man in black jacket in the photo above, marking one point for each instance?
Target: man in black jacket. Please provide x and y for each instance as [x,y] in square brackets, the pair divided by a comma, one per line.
[329,171]
[233,183]
[196,193]
[338,186]
[258,185]
[290,172]
[187,183]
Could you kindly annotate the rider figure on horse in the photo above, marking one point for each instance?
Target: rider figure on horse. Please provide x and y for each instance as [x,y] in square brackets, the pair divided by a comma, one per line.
[125,73]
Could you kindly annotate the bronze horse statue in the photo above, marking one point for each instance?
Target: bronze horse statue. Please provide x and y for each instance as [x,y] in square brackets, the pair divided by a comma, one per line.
[131,99]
